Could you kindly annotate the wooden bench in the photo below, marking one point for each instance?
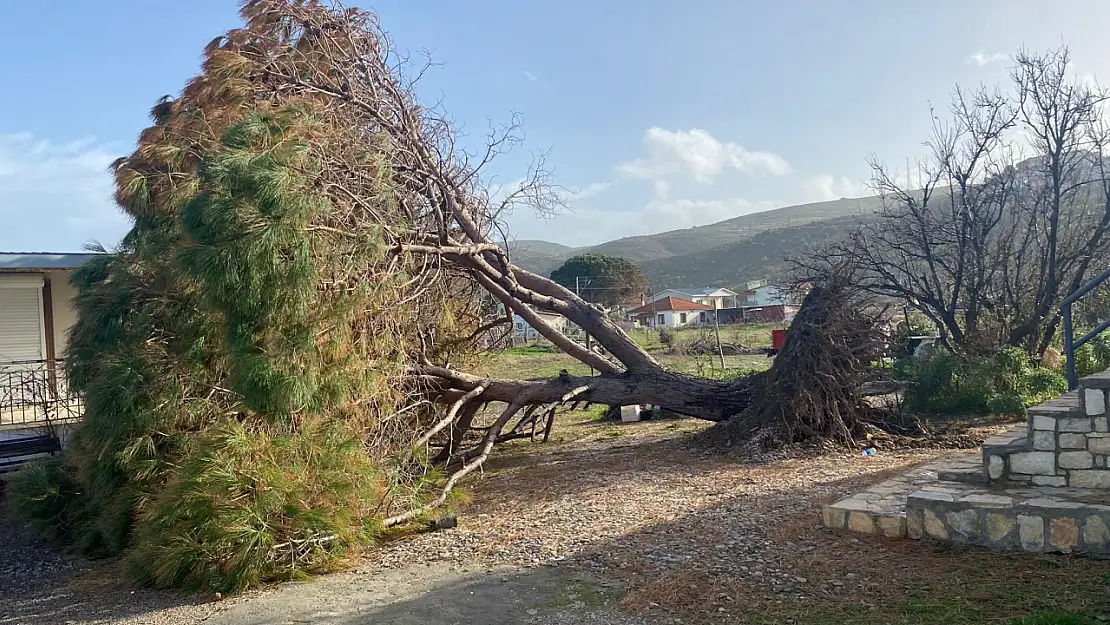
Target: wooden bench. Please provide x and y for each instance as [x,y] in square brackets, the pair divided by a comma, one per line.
[13,452]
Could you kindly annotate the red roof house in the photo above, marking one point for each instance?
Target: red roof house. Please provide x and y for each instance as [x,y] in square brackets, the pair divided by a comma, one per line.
[671,311]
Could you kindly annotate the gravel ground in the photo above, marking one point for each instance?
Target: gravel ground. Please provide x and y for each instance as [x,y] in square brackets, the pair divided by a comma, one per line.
[637,516]
[649,511]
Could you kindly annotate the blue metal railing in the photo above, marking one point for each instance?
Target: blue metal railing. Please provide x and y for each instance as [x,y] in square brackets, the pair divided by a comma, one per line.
[1070,344]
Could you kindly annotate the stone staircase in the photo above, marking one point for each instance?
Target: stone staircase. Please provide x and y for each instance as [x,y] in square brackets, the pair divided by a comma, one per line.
[1041,486]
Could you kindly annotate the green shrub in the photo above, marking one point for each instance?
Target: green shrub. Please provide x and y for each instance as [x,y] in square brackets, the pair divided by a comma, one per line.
[1094,356]
[247,503]
[1041,384]
[1006,405]
[1005,383]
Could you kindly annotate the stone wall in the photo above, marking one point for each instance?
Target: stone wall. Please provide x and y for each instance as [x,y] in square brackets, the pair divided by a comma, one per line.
[1063,448]
[1005,522]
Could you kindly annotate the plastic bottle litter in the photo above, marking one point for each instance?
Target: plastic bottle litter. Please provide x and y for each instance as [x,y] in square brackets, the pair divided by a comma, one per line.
[870,451]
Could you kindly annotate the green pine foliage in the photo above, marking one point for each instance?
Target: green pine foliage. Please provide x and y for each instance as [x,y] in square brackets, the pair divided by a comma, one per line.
[240,360]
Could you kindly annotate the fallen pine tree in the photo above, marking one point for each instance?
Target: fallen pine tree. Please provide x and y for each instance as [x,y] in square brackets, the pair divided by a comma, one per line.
[275,359]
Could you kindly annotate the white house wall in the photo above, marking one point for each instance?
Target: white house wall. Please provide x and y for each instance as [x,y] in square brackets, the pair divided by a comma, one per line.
[65,315]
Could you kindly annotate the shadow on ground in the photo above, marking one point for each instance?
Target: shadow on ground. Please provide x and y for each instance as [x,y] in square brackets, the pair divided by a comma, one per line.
[421,595]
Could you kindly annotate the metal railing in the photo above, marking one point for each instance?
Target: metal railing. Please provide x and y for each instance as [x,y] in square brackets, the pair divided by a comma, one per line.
[35,392]
[1070,344]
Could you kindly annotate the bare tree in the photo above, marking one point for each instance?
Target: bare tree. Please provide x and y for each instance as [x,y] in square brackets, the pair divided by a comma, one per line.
[1004,217]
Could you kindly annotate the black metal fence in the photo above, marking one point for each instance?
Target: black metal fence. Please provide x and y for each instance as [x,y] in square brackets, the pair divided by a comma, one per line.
[35,392]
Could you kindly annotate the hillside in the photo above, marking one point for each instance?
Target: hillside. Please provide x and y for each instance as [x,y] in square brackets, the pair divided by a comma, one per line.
[730,265]
[726,252]
[542,257]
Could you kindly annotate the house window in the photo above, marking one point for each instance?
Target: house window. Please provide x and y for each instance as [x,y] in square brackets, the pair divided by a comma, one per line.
[662,319]
[701,317]
[682,317]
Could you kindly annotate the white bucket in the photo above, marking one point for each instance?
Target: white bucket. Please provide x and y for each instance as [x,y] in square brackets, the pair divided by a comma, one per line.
[630,414]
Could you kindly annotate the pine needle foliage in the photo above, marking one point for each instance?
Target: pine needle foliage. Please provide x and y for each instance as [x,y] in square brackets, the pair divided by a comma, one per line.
[242,353]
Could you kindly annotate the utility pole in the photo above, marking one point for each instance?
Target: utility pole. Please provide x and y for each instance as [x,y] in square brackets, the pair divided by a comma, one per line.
[578,292]
[717,330]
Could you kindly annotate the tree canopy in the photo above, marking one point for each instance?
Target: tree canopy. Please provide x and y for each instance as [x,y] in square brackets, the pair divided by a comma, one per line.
[601,279]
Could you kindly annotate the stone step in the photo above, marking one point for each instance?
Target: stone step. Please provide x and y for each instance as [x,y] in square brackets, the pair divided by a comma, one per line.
[919,504]
[972,474]
[997,450]
[1100,380]
[1061,406]
[1036,519]
[880,509]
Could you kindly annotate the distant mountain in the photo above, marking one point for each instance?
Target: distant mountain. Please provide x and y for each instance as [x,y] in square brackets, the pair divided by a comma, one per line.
[733,264]
[542,257]
[726,253]
[542,248]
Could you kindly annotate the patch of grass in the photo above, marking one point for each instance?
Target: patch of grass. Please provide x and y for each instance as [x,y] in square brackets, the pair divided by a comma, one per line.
[750,335]
[710,367]
[885,582]
[527,350]
[578,593]
[524,363]
[524,366]
[1059,618]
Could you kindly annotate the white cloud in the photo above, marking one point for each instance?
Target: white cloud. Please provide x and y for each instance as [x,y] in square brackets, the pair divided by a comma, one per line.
[584,224]
[981,59]
[698,154]
[530,76]
[665,214]
[590,190]
[826,187]
[56,196]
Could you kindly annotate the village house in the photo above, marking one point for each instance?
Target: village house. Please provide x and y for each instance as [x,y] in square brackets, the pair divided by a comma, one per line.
[763,302]
[523,330]
[36,313]
[671,312]
[713,297]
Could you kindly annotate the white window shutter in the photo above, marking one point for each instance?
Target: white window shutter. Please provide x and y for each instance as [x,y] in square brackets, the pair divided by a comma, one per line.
[21,323]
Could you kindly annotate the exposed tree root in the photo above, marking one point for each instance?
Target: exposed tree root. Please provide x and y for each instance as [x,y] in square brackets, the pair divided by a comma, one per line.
[813,390]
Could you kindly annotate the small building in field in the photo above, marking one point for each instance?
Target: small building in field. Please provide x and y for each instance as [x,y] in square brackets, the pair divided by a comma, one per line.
[767,303]
[770,314]
[671,312]
[523,330]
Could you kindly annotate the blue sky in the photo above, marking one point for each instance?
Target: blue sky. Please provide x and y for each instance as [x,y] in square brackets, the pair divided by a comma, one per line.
[665,114]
